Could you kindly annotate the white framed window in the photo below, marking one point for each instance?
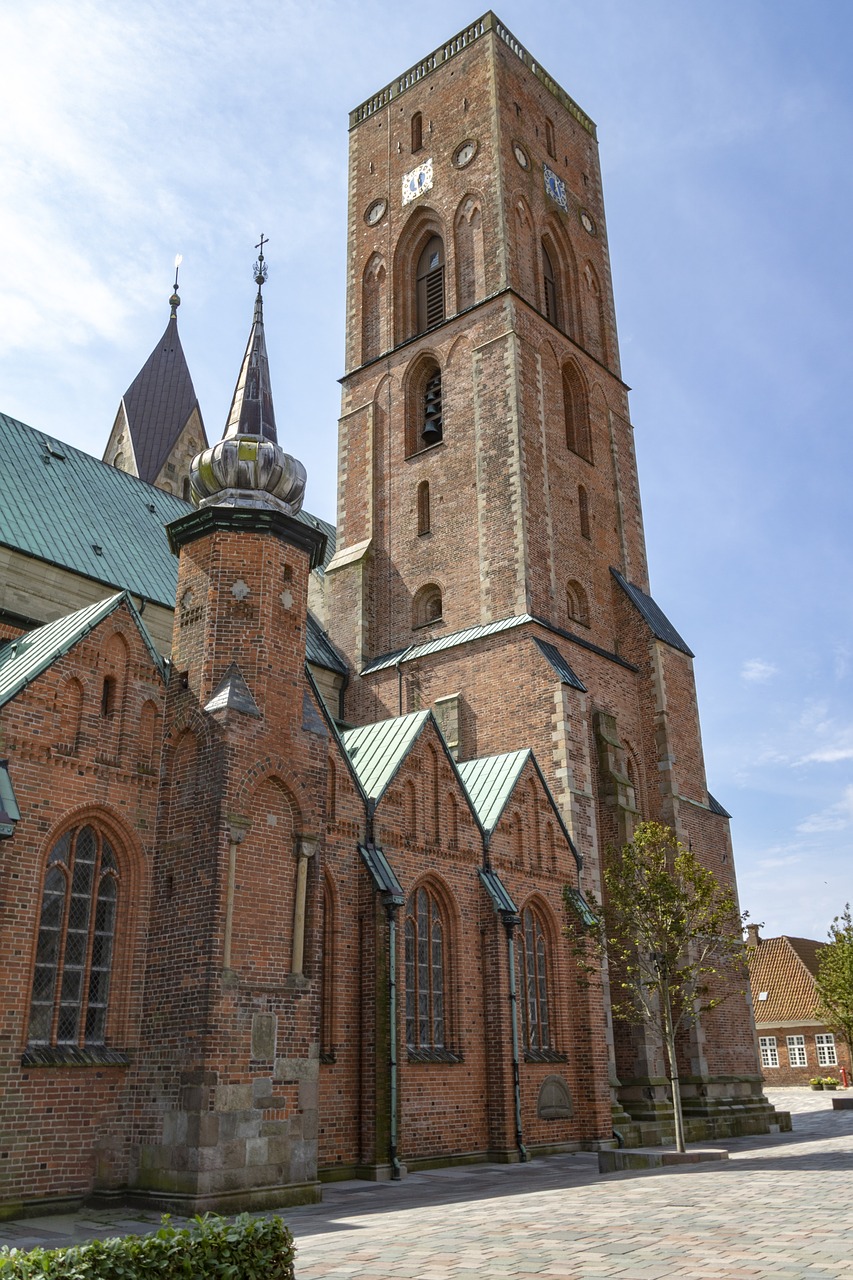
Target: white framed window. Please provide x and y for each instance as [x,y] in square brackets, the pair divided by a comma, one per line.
[769,1052]
[797,1051]
[825,1045]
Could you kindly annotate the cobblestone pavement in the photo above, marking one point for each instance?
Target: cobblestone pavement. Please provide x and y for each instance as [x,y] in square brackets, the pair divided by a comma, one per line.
[780,1207]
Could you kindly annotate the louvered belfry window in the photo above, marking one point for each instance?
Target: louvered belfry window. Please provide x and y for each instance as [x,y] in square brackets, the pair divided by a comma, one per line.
[75,942]
[430,285]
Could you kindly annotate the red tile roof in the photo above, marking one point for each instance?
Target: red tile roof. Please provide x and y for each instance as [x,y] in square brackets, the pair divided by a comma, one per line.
[783,968]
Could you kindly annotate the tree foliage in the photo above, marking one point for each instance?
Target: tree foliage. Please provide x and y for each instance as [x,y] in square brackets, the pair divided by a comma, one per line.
[834,983]
[673,938]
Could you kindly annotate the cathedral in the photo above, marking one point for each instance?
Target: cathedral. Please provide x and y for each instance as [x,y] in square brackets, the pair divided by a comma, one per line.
[297,822]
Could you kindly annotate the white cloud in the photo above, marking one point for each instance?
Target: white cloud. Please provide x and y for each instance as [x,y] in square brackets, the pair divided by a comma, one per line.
[835,818]
[757,671]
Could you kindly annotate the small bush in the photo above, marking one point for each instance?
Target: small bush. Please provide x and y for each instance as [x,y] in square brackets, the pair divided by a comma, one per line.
[209,1248]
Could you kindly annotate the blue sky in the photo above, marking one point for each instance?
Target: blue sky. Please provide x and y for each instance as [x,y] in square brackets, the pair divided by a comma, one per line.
[131,132]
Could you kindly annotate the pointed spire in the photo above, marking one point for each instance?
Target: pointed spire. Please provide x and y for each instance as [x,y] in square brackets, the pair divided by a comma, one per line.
[248,467]
[252,412]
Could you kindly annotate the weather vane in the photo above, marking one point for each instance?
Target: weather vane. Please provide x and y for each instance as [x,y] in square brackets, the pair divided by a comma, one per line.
[175,301]
[260,267]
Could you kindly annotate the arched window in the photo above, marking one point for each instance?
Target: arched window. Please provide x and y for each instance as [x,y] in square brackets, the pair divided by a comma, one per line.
[331,793]
[576,412]
[108,696]
[549,138]
[583,511]
[534,986]
[427,605]
[423,508]
[451,820]
[549,289]
[75,943]
[577,605]
[185,488]
[429,285]
[417,131]
[426,975]
[410,810]
[432,429]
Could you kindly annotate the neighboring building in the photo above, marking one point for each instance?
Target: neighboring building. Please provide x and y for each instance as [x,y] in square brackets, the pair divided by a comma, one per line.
[284,904]
[793,1045]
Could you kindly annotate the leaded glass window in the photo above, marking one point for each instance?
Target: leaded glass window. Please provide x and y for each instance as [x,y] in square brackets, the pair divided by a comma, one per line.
[76,938]
[534,983]
[425,972]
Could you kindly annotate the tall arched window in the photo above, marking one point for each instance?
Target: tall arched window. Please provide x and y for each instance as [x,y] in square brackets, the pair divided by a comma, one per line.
[426,975]
[535,983]
[549,289]
[576,412]
[424,406]
[429,285]
[373,307]
[74,955]
[417,132]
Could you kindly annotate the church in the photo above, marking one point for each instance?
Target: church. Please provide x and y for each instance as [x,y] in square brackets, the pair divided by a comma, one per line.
[297,821]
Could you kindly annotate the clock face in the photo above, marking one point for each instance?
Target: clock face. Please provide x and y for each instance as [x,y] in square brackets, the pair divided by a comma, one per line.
[465,154]
[520,155]
[417,181]
[555,187]
[587,222]
[375,212]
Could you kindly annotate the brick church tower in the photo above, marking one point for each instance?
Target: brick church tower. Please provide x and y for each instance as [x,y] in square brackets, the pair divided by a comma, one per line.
[490,560]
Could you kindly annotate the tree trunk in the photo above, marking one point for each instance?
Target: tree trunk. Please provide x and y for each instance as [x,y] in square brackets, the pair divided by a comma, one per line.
[669,1037]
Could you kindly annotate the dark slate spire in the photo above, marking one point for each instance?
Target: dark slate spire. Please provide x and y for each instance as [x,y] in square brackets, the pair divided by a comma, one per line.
[252,412]
[248,467]
[159,401]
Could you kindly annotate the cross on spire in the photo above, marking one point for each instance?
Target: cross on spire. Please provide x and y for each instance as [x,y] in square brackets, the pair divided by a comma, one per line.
[260,265]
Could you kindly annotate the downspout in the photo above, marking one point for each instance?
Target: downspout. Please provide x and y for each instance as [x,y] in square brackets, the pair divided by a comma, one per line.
[391,908]
[509,925]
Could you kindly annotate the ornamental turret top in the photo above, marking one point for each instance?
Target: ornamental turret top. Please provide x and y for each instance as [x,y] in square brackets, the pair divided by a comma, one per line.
[248,468]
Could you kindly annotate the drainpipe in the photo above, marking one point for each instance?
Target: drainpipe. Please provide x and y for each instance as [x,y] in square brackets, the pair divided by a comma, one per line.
[509,925]
[391,908]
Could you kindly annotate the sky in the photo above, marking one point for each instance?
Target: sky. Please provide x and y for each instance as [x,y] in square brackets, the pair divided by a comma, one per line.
[134,131]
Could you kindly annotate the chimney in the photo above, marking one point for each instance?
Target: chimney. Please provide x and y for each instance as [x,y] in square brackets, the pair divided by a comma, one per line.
[752,938]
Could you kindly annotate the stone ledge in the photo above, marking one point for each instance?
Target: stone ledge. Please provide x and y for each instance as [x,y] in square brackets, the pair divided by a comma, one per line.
[654,1158]
[842,1104]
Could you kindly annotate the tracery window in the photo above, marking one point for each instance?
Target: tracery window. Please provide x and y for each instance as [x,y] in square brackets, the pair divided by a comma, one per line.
[534,963]
[74,956]
[426,977]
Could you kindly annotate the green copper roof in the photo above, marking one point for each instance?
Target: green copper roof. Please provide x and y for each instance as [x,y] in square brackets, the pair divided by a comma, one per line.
[489,782]
[376,751]
[64,506]
[23,659]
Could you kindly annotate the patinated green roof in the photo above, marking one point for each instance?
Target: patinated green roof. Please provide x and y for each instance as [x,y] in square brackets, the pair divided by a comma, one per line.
[64,506]
[25,658]
[489,782]
[376,751]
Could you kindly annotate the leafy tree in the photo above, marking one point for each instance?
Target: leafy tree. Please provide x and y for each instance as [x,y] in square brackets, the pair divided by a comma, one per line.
[673,936]
[835,979]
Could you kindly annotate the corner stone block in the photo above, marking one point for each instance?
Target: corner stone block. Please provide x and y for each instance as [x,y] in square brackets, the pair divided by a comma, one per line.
[309,1095]
[257,1151]
[233,1097]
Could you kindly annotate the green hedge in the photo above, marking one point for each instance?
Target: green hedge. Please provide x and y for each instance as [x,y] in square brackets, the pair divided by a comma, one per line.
[210,1248]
